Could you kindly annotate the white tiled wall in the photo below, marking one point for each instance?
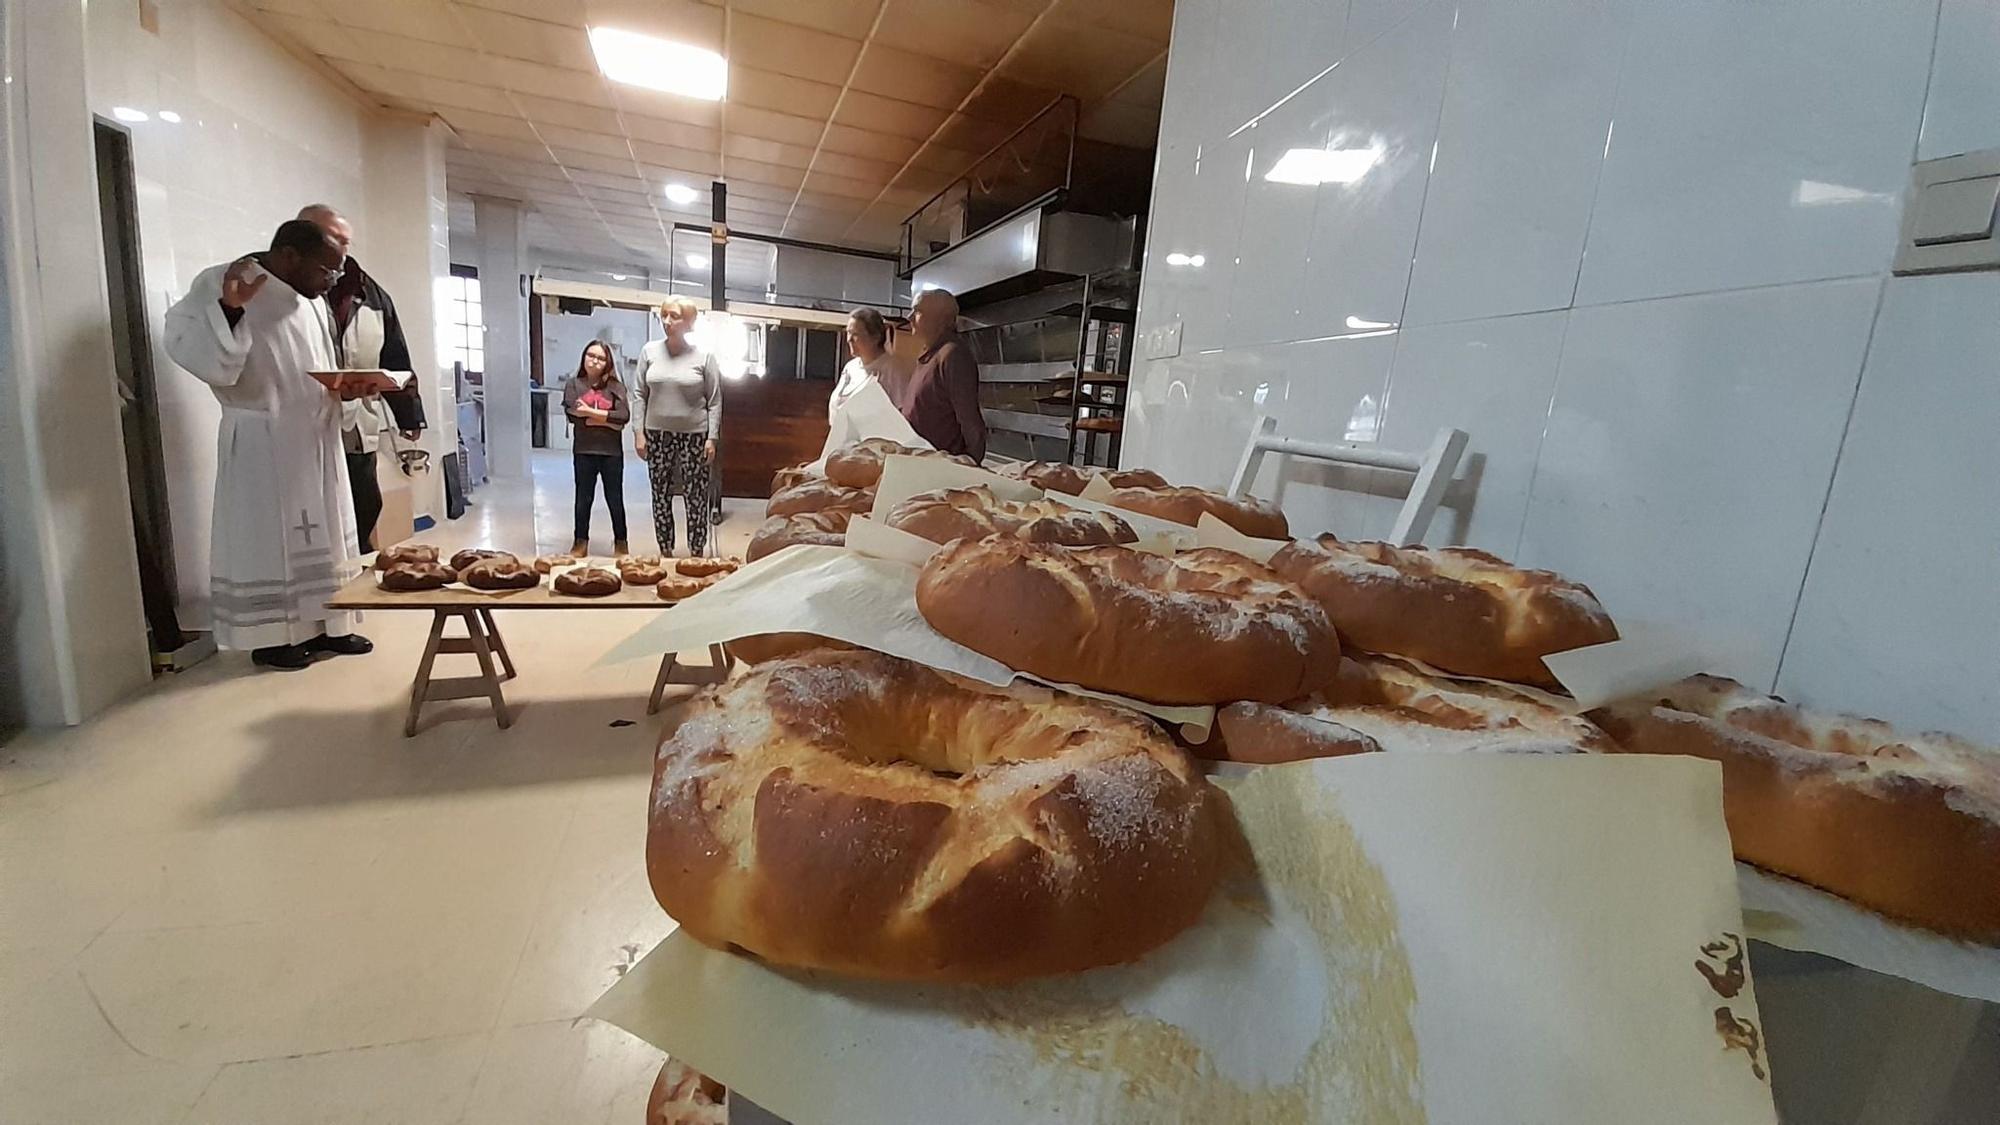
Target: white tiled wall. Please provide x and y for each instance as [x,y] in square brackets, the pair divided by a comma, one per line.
[1640,252]
[259,136]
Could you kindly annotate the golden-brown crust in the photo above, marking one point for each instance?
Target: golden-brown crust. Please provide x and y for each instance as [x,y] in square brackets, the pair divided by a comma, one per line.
[504,573]
[1205,626]
[819,496]
[588,582]
[856,813]
[705,567]
[1456,609]
[1377,703]
[827,529]
[859,464]
[765,647]
[1058,476]
[548,564]
[682,1095]
[1259,519]
[675,587]
[405,553]
[1906,825]
[974,513]
[643,570]
[462,559]
[417,575]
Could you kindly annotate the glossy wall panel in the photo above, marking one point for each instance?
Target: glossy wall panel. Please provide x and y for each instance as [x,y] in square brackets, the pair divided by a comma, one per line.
[1962,113]
[1901,612]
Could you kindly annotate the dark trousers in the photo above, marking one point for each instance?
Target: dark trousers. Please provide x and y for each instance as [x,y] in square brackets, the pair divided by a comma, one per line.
[590,468]
[367,496]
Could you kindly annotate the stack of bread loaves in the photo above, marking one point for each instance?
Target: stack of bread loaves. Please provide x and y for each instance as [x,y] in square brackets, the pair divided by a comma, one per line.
[841,809]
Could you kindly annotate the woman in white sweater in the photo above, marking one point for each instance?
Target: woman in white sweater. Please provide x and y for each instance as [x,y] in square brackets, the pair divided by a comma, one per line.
[678,398]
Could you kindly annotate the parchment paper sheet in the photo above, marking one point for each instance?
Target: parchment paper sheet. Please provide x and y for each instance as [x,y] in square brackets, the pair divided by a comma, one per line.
[1462,938]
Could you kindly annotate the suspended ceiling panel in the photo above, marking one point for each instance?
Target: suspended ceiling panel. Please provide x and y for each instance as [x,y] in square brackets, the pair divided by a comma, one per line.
[842,116]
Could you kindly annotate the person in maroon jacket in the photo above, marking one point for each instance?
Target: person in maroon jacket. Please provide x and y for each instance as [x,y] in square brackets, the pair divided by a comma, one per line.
[941,397]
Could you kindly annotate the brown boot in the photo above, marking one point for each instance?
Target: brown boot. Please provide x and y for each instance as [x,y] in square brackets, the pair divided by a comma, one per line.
[619,549]
[580,548]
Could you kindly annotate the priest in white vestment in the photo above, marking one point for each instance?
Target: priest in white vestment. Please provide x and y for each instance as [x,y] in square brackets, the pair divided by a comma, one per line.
[283,536]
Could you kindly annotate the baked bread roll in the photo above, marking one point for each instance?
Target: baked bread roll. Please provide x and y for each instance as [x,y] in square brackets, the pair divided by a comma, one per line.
[818,496]
[864,815]
[1379,704]
[405,553]
[859,465]
[1058,476]
[974,513]
[1259,519]
[417,575]
[1453,608]
[504,573]
[705,567]
[547,564]
[677,586]
[827,529]
[470,555]
[1205,626]
[643,570]
[587,582]
[790,475]
[682,1095]
[1907,825]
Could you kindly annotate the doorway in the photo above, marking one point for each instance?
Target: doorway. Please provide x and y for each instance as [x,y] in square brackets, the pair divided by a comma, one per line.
[138,409]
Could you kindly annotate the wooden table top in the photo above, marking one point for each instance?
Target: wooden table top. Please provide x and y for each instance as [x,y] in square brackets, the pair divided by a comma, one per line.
[363,593]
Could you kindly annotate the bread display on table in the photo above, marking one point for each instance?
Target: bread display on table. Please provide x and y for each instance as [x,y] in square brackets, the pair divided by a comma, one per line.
[404,577]
[859,465]
[974,513]
[1907,825]
[853,812]
[405,553]
[824,528]
[548,564]
[587,582]
[1379,704]
[499,571]
[1205,626]
[819,495]
[643,570]
[705,566]
[1060,476]
[1259,519]
[462,559]
[1456,609]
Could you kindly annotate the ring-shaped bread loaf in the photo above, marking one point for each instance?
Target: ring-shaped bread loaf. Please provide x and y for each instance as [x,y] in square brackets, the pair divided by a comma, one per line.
[1060,476]
[859,464]
[825,529]
[861,814]
[588,582]
[503,573]
[1259,519]
[1205,626]
[817,496]
[417,575]
[1453,608]
[974,513]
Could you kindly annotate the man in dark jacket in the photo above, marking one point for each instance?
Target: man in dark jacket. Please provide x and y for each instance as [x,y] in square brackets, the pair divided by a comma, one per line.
[366,334]
[941,397]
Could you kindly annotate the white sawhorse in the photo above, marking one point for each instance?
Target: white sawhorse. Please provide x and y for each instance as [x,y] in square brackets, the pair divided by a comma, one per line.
[1433,470]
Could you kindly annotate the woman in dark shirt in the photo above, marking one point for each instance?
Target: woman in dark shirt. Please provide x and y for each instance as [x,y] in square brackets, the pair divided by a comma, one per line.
[595,401]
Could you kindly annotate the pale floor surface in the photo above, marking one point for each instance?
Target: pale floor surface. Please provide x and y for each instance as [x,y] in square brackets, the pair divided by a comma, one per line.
[245,897]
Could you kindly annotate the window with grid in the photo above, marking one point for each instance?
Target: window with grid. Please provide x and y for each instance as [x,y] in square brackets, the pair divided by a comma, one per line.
[465,332]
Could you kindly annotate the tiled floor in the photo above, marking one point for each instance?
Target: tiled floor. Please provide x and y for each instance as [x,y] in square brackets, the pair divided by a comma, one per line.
[245,897]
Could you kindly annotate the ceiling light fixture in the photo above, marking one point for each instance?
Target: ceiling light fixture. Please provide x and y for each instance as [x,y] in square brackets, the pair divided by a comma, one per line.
[696,262]
[1314,166]
[170,117]
[680,195]
[659,64]
[127,114]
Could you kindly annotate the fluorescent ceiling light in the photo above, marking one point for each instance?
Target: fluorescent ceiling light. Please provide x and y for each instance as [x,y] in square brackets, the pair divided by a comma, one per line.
[1314,166]
[696,262]
[1179,259]
[1357,322]
[617,277]
[659,64]
[170,117]
[681,195]
[128,114]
